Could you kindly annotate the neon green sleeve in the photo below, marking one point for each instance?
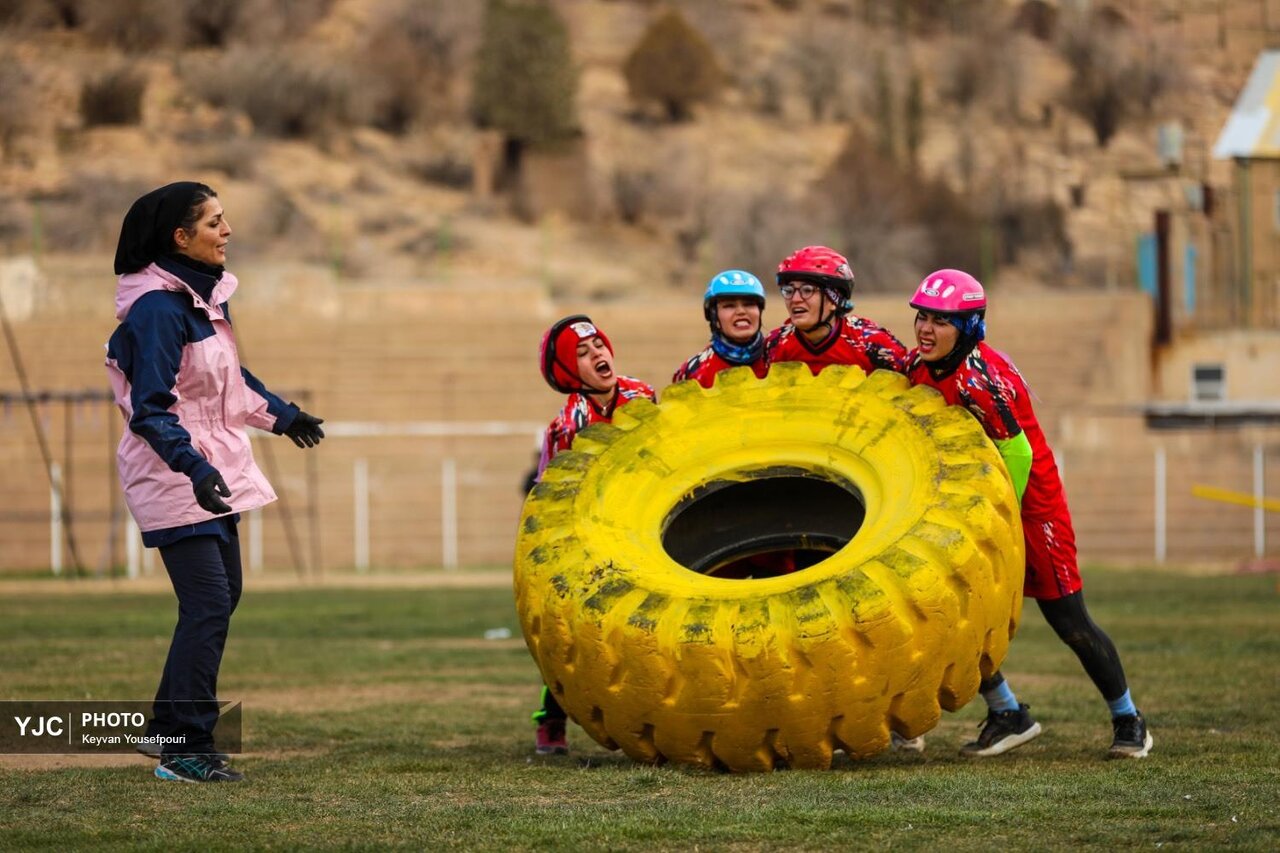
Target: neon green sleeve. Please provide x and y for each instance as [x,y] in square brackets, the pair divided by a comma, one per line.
[1017,456]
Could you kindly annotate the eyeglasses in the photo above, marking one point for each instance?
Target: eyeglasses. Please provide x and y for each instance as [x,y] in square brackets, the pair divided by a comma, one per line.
[805,290]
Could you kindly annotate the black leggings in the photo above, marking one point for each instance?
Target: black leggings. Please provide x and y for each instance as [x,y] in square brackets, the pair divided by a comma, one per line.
[206,577]
[1070,620]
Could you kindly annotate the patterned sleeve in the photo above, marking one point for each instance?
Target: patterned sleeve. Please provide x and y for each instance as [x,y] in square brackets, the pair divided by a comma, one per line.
[771,342]
[683,371]
[885,351]
[554,440]
[990,396]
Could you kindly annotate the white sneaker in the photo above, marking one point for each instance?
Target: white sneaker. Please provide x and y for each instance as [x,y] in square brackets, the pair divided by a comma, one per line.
[898,743]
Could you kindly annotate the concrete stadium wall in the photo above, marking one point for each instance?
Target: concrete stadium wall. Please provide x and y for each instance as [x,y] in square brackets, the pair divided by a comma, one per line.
[401,352]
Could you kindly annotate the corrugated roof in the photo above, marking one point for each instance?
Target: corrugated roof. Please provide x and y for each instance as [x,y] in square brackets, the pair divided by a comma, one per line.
[1253,130]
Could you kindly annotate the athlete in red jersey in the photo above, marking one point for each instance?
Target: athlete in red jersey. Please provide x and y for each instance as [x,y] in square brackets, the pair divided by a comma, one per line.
[817,284]
[732,304]
[951,357]
[581,410]
[576,359]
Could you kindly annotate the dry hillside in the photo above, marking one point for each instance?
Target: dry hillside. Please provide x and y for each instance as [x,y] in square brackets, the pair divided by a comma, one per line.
[345,133]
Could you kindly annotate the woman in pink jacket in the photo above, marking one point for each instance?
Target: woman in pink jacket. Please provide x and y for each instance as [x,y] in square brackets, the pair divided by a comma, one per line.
[185,462]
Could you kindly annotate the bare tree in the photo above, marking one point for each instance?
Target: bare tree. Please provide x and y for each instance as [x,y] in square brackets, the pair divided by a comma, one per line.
[816,59]
[20,106]
[1114,74]
[968,72]
[412,53]
[869,203]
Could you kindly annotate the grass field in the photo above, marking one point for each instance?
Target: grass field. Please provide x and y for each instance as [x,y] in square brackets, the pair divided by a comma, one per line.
[381,717]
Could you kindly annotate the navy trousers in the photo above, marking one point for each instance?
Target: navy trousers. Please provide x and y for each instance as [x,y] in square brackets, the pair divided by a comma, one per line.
[205,571]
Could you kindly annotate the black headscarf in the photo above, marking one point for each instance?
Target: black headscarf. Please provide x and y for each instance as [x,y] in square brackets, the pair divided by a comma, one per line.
[147,231]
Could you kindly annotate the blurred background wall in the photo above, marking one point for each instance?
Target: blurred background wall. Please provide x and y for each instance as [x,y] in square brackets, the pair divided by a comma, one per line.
[417,189]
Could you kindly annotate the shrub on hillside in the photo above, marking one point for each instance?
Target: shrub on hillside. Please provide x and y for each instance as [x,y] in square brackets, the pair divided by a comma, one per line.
[1038,18]
[42,14]
[212,23]
[817,63]
[221,23]
[444,156]
[633,189]
[1097,90]
[237,158]
[113,97]
[673,66]
[412,53]
[133,25]
[968,72]
[929,16]
[20,105]
[525,83]
[15,224]
[1114,75]
[868,202]
[85,215]
[286,92]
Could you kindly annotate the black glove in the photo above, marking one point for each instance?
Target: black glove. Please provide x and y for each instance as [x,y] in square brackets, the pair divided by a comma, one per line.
[207,491]
[305,430]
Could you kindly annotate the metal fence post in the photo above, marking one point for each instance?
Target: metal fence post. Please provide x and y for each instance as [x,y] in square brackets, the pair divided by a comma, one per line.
[1161,505]
[449,512]
[55,518]
[1259,495]
[360,486]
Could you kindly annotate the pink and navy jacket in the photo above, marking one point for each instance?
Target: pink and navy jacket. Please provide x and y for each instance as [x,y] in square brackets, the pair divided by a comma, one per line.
[177,379]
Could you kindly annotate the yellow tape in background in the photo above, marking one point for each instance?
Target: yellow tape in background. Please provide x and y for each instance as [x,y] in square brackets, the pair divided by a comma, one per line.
[1212,493]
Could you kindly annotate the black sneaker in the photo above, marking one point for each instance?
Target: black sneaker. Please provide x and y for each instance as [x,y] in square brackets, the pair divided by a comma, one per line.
[1001,732]
[196,768]
[1132,740]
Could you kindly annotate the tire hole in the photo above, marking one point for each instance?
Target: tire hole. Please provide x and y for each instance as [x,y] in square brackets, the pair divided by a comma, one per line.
[775,521]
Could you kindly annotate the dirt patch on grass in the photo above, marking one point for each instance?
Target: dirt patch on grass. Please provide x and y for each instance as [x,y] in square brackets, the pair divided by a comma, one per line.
[498,579]
[352,697]
[61,762]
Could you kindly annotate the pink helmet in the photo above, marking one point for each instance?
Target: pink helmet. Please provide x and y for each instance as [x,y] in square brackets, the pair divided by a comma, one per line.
[949,292]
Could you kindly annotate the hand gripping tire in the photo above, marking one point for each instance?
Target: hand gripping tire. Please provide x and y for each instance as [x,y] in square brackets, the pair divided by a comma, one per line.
[672,664]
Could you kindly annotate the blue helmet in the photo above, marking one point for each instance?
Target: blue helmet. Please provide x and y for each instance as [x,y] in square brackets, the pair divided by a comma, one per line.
[731,283]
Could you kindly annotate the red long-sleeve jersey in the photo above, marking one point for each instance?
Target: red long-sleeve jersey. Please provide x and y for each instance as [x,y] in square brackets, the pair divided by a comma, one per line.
[704,366]
[580,411]
[857,341]
[989,385]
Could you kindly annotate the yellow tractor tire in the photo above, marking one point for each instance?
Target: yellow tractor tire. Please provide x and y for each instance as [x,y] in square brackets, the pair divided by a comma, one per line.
[901,504]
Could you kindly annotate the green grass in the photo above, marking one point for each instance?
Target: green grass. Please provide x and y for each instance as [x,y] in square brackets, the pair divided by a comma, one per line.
[380,718]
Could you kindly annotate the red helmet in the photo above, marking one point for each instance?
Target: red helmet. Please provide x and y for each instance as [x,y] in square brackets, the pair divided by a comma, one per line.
[558,353]
[820,265]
